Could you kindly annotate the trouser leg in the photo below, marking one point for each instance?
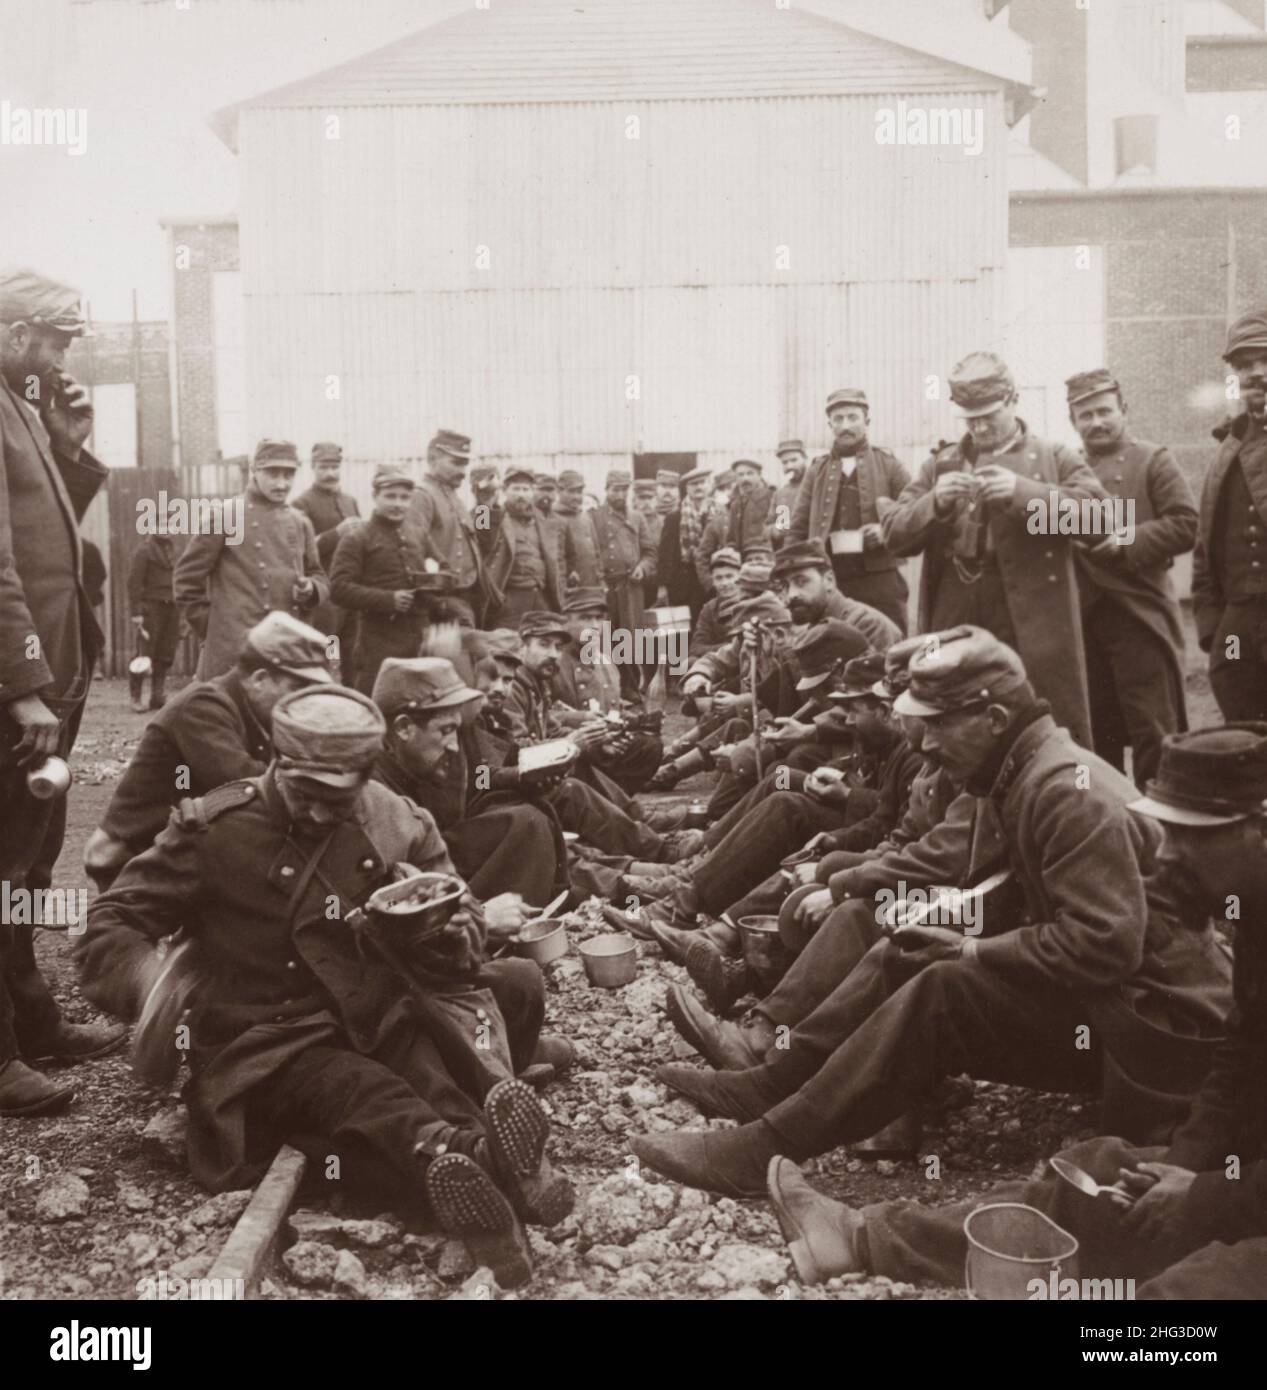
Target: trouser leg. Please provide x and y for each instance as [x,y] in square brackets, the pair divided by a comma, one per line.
[1238,661]
[1108,730]
[875,1046]
[1216,1271]
[908,1241]
[776,827]
[518,986]
[603,824]
[824,962]
[1146,684]
[508,849]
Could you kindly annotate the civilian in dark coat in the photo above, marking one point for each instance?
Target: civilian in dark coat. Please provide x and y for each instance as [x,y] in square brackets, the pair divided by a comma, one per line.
[48,644]
[155,617]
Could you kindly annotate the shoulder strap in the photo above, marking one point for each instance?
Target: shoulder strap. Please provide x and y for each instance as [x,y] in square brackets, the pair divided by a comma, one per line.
[197,812]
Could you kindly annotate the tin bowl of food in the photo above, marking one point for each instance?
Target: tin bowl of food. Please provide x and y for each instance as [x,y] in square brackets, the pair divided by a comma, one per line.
[541,761]
[543,940]
[762,948]
[420,905]
[611,960]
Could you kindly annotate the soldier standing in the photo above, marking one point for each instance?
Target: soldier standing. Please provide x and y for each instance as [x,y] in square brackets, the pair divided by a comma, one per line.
[523,569]
[486,514]
[155,618]
[841,502]
[449,533]
[1130,618]
[376,572]
[984,513]
[333,514]
[1229,569]
[579,566]
[224,587]
[545,494]
[627,553]
[792,458]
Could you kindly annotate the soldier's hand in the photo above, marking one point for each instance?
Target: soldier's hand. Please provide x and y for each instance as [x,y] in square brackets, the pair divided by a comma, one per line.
[1107,552]
[138,622]
[68,417]
[814,908]
[40,728]
[504,915]
[590,734]
[998,484]
[403,600]
[951,488]
[1160,1215]
[349,523]
[872,536]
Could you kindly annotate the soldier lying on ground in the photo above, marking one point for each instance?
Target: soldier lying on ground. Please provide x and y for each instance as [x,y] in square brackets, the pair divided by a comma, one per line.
[1191,1219]
[1104,989]
[308,1026]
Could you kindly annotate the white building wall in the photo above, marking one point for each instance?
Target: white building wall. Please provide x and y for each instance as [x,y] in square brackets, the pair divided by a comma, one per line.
[698,288]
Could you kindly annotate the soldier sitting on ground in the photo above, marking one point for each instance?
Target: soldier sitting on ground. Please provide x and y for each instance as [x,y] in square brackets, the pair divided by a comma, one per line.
[1188,1219]
[312,1024]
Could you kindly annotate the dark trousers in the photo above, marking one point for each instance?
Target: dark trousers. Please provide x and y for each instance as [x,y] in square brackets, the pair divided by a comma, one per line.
[600,822]
[872,1049]
[908,1241]
[882,589]
[1239,681]
[1131,682]
[824,959]
[516,603]
[777,826]
[506,849]
[634,769]
[162,622]
[31,836]
[372,1111]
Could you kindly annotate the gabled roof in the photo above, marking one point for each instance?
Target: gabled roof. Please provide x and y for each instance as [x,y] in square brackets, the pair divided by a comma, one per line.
[535,51]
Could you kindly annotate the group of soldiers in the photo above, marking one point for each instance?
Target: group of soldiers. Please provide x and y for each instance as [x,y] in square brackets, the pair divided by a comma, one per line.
[416,697]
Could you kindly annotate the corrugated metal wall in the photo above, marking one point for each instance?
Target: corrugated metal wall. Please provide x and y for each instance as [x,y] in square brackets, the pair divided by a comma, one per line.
[633,299]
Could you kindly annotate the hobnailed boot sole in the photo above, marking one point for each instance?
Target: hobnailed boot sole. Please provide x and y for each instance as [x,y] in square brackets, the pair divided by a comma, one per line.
[468,1204]
[723,980]
[517,1133]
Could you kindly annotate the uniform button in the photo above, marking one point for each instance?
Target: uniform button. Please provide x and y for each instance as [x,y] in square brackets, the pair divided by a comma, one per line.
[290,965]
[1051,579]
[1049,554]
[288,871]
[279,1018]
[367,863]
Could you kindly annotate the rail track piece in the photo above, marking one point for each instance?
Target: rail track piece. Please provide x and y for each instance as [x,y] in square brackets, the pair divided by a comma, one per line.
[251,1244]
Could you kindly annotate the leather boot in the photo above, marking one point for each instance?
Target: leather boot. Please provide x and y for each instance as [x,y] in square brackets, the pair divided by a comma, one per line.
[721,975]
[79,1042]
[469,1205]
[24,1091]
[668,775]
[726,1046]
[823,1237]
[732,1162]
[898,1139]
[158,690]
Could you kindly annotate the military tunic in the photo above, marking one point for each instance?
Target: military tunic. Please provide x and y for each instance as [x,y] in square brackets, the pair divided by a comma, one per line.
[223,589]
[299,1024]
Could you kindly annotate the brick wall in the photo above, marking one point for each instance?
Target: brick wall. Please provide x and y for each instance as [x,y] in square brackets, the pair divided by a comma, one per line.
[1179,265]
[197,250]
[110,358]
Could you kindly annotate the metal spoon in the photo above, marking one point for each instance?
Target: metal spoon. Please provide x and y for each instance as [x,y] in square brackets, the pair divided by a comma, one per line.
[547,911]
[1084,1182]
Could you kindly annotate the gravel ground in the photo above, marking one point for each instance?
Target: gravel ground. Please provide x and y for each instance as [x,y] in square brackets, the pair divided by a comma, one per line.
[95,1202]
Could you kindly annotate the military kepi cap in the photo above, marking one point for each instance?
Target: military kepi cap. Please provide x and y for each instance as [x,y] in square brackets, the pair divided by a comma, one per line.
[1209,776]
[1083,385]
[800,555]
[790,446]
[276,453]
[1248,331]
[619,477]
[519,475]
[765,608]
[545,480]
[290,646]
[847,395]
[863,675]
[585,599]
[980,384]
[542,624]
[725,555]
[897,667]
[457,446]
[331,734]
[960,667]
[419,683]
[391,475]
[823,647]
[571,479]
[666,477]
[327,453]
[696,475]
[29,297]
